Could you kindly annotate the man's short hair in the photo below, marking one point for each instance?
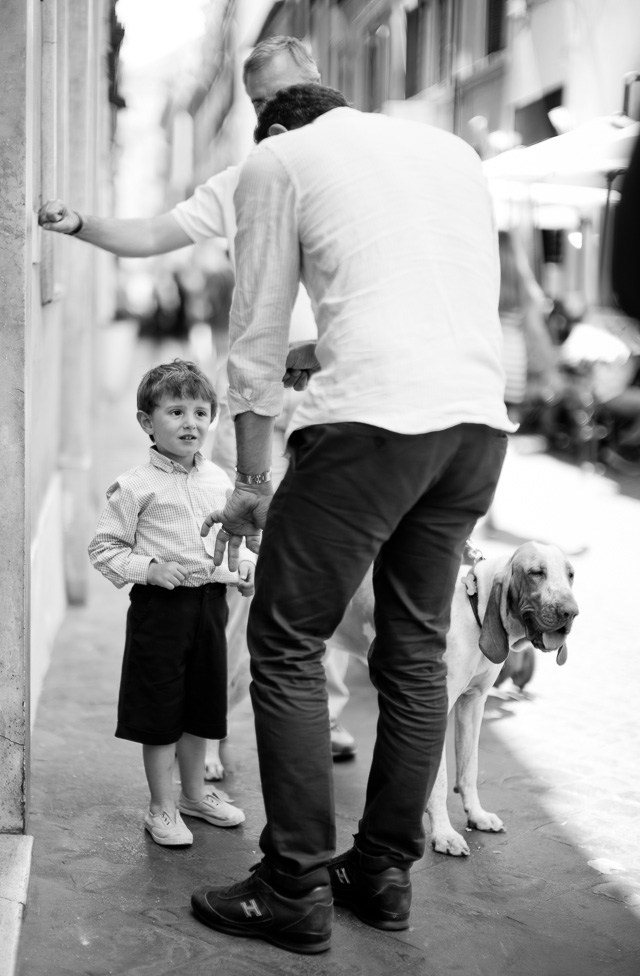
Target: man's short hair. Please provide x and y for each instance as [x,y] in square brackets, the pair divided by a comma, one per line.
[180,379]
[267,50]
[296,106]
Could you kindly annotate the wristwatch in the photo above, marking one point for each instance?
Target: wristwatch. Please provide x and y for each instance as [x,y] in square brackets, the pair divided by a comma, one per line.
[253,479]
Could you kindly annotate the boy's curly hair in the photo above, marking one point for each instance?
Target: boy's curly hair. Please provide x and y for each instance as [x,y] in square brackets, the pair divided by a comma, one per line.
[180,379]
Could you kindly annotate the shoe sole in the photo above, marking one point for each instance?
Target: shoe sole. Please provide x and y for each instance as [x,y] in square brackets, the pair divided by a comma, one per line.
[214,823]
[302,948]
[386,925]
[167,843]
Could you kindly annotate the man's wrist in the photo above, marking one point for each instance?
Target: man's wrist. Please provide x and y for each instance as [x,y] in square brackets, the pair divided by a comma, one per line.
[253,479]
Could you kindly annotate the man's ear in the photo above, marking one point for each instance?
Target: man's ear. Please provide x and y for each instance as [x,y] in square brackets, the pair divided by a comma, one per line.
[276,129]
[145,422]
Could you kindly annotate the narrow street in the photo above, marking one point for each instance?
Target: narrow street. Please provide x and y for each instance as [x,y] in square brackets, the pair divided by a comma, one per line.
[558,894]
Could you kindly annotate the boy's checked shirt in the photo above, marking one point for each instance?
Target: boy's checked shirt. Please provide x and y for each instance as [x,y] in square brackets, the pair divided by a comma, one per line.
[155,512]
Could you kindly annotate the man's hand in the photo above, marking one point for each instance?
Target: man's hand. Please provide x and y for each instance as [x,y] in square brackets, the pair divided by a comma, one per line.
[56,216]
[301,365]
[244,516]
[168,575]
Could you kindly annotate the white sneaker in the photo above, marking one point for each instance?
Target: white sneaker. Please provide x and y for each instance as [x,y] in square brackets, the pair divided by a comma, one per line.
[212,809]
[343,745]
[168,832]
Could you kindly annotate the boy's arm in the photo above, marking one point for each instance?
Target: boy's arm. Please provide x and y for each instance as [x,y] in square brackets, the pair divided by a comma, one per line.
[111,549]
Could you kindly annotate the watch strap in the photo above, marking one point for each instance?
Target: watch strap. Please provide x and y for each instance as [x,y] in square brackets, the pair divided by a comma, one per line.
[253,479]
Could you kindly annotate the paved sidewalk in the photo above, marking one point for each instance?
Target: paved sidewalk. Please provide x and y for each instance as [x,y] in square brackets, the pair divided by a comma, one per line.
[557,895]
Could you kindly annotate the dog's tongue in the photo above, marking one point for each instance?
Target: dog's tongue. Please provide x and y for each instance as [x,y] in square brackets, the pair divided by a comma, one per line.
[561,657]
[552,641]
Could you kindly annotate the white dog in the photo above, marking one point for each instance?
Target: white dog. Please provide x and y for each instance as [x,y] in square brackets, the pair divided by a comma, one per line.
[522,600]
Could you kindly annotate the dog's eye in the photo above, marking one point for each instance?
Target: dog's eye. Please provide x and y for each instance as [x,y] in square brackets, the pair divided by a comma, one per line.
[535,572]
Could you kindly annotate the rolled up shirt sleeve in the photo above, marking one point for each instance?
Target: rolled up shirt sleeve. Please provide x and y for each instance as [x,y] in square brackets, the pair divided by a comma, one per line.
[111,549]
[267,279]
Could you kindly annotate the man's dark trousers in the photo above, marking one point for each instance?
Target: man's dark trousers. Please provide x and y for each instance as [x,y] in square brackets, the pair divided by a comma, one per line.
[354,494]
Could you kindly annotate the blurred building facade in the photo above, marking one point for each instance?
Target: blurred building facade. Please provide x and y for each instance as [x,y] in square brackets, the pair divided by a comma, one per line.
[447,62]
[58,72]
[498,73]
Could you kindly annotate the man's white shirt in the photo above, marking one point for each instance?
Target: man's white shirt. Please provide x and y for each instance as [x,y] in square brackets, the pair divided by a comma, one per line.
[389,223]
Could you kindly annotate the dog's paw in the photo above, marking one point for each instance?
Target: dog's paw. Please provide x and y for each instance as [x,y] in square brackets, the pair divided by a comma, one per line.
[450,843]
[481,820]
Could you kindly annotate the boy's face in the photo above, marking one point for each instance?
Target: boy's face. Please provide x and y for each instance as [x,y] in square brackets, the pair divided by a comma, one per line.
[178,426]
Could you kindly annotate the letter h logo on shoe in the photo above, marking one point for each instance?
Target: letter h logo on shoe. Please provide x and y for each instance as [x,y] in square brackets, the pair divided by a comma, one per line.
[341,874]
[251,908]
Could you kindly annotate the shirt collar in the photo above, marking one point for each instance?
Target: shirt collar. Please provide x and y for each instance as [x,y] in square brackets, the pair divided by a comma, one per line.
[165,464]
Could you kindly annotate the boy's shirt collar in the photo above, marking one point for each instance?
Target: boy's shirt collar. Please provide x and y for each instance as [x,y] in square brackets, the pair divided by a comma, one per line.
[166,464]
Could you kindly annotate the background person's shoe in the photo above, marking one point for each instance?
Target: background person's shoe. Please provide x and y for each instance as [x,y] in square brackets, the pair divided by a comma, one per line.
[168,832]
[343,745]
[213,809]
[252,909]
[382,899]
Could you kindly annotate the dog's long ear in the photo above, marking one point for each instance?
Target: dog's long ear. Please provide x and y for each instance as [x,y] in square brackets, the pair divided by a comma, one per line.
[494,642]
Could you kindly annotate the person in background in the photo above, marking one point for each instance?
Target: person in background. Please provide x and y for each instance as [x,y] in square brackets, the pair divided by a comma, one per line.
[275,63]
[173,690]
[529,357]
[395,452]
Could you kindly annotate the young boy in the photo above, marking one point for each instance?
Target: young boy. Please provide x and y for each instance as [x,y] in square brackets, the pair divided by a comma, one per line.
[173,689]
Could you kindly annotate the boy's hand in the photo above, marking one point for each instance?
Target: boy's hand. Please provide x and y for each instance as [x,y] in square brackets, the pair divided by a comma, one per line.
[168,575]
[246,572]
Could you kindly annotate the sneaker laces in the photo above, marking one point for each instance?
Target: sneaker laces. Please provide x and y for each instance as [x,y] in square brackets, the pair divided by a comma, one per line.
[164,816]
[213,799]
[247,884]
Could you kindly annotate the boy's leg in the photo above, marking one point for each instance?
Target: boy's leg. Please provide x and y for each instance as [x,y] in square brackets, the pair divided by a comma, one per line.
[198,799]
[158,766]
[191,751]
[205,710]
[163,821]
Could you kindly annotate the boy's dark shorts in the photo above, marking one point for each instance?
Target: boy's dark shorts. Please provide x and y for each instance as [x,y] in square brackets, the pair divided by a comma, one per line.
[174,672]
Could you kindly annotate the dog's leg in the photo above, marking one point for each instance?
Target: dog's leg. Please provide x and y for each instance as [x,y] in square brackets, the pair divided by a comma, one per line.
[469,710]
[444,838]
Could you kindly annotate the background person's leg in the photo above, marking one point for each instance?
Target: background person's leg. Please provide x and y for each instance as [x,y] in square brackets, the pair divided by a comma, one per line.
[336,663]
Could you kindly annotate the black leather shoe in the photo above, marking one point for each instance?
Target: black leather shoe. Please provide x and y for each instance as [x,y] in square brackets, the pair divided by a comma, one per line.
[252,909]
[382,900]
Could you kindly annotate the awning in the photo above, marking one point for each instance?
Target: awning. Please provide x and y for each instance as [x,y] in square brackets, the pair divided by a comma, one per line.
[591,155]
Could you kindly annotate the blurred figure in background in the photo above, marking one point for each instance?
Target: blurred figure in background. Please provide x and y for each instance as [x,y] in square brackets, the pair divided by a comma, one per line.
[529,356]
[168,316]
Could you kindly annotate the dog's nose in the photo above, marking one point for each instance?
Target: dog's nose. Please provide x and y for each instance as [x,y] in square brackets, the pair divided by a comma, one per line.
[567,611]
